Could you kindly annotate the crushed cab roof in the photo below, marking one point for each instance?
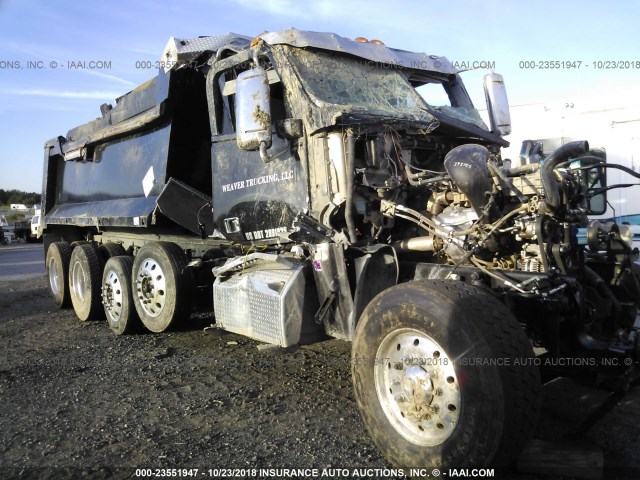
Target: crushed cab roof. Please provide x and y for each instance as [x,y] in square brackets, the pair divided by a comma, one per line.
[370,51]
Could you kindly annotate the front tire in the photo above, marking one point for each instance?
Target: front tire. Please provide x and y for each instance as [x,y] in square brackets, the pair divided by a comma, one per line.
[444,377]
[161,285]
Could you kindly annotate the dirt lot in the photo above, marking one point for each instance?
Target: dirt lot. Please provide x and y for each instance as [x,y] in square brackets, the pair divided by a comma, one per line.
[79,401]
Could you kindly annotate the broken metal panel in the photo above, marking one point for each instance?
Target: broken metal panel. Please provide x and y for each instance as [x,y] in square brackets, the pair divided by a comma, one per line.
[179,52]
[336,312]
[166,95]
[369,51]
[79,134]
[79,149]
[141,98]
[268,303]
[187,207]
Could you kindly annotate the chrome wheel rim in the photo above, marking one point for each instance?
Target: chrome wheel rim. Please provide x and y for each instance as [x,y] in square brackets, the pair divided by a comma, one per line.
[151,287]
[417,387]
[112,297]
[54,277]
[78,281]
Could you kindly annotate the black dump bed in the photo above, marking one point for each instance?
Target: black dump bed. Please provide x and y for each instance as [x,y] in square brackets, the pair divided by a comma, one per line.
[111,170]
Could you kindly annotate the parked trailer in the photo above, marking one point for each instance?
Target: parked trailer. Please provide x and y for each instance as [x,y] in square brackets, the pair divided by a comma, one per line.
[22,229]
[7,231]
[300,180]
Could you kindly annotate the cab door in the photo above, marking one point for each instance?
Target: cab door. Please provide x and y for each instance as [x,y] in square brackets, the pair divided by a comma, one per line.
[253,200]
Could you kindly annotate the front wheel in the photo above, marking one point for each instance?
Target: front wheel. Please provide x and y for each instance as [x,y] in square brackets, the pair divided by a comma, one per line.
[444,377]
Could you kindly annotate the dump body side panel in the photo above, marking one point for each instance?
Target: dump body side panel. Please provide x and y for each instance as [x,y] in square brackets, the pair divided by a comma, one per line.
[110,171]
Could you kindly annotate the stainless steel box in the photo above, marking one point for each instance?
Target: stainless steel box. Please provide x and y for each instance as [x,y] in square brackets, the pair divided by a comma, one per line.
[264,304]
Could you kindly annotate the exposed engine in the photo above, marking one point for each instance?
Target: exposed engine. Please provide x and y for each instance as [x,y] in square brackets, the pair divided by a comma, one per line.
[467,205]
[523,231]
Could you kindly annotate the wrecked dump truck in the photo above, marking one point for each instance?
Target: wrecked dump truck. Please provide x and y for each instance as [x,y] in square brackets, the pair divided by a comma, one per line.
[301,184]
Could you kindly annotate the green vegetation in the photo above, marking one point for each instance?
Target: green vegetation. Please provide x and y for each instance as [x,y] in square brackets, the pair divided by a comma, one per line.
[7,197]
[15,217]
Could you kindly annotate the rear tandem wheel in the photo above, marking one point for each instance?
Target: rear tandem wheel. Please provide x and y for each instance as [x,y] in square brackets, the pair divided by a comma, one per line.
[162,285]
[85,276]
[117,296]
[57,263]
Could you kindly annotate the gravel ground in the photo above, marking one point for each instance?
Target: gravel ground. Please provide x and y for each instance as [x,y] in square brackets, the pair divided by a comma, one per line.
[80,401]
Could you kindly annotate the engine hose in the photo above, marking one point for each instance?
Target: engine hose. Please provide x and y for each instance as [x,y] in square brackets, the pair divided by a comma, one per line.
[541,245]
[599,284]
[587,161]
[603,164]
[348,195]
[549,183]
[440,201]
[524,169]
[495,171]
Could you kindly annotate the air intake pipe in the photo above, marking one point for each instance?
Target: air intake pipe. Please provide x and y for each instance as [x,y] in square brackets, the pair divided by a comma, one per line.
[467,167]
[549,182]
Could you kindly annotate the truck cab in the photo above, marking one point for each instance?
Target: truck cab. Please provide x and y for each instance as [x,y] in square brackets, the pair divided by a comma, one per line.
[315,95]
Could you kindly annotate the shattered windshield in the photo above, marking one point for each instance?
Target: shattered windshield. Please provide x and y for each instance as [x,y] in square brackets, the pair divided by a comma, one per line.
[358,85]
[435,94]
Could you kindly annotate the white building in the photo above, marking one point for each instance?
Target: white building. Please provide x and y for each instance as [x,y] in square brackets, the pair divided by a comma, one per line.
[612,123]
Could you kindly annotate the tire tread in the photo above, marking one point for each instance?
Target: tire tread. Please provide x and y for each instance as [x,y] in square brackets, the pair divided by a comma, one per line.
[522,387]
[123,264]
[95,265]
[62,251]
[177,262]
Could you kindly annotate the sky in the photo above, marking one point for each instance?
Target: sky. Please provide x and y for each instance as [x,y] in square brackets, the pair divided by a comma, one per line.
[47,49]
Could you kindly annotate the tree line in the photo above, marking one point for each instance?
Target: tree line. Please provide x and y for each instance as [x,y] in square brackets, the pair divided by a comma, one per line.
[17,196]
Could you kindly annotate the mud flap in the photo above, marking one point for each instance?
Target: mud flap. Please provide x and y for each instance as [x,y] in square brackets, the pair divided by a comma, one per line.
[376,271]
[376,268]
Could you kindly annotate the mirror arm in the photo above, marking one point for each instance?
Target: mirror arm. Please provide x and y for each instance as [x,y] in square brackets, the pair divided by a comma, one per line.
[264,155]
[256,48]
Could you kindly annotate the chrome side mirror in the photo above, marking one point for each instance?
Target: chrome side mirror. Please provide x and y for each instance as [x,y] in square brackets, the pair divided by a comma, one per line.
[497,103]
[253,110]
